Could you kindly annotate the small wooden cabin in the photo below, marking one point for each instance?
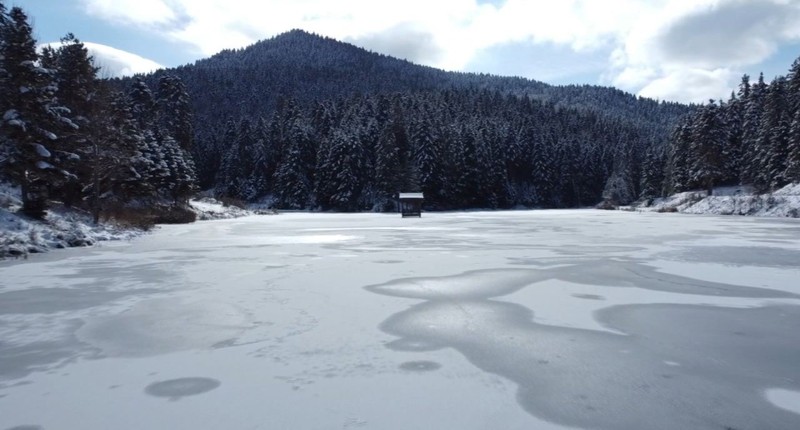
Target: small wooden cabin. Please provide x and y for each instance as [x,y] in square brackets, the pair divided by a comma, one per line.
[411,204]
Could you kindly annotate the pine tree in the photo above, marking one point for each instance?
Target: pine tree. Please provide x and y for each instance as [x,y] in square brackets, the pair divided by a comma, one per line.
[773,136]
[341,173]
[242,173]
[174,112]
[792,173]
[707,166]
[732,118]
[427,158]
[6,148]
[387,176]
[113,146]
[179,183]
[32,118]
[753,111]
[78,89]
[652,174]
[143,105]
[294,177]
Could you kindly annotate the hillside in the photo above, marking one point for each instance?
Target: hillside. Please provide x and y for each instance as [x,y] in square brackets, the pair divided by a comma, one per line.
[273,120]
[307,67]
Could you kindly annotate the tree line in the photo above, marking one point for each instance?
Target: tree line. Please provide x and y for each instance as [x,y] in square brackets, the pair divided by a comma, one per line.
[67,135]
[752,139]
[462,148]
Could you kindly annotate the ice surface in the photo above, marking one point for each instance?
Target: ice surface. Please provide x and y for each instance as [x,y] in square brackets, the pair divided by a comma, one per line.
[786,399]
[511,320]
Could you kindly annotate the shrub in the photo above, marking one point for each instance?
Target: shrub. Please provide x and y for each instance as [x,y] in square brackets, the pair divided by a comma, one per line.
[174,215]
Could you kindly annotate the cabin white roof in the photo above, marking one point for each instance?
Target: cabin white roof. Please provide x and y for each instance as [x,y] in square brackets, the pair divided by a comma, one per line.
[411,196]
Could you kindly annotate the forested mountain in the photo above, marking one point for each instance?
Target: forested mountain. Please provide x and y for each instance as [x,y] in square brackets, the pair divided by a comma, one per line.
[315,122]
[753,139]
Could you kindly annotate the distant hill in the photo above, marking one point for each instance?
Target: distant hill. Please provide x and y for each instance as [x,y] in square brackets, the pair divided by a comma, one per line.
[308,67]
[272,120]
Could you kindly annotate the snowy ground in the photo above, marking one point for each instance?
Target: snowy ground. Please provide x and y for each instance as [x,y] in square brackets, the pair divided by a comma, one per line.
[784,202]
[64,228]
[482,320]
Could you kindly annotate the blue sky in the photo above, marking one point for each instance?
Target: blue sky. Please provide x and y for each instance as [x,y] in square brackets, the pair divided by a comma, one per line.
[683,50]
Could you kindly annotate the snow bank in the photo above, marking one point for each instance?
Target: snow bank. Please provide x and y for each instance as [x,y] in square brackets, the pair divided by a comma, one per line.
[62,228]
[733,201]
[208,208]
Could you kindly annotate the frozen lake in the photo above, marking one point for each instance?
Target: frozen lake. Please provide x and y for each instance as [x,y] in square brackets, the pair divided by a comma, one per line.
[476,320]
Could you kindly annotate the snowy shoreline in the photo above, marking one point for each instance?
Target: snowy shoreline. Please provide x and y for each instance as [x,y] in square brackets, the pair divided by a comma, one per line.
[68,228]
[783,203]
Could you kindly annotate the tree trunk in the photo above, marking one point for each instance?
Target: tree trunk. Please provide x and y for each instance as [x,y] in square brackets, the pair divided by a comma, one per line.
[34,199]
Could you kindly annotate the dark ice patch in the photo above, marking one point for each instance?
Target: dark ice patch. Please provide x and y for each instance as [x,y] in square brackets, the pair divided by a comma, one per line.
[762,256]
[420,366]
[52,300]
[174,389]
[19,360]
[588,296]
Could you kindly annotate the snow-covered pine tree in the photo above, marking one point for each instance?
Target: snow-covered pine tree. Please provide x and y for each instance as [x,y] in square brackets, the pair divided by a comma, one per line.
[519,160]
[174,112]
[150,164]
[341,173]
[733,114]
[117,145]
[652,174]
[294,177]
[493,186]
[227,179]
[32,117]
[181,178]
[753,111]
[75,76]
[242,173]
[387,171]
[773,136]
[792,173]
[428,158]
[708,138]
[463,166]
[143,105]
[793,87]
[5,143]
[543,169]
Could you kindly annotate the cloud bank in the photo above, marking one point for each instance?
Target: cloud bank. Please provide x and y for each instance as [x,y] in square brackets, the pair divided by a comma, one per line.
[115,62]
[684,50]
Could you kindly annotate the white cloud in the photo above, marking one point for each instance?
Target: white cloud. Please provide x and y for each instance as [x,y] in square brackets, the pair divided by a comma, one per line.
[132,11]
[654,43]
[690,85]
[115,62]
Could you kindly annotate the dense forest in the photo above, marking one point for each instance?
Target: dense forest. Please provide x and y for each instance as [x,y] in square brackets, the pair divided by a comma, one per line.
[310,122]
[69,136]
[753,139]
[307,122]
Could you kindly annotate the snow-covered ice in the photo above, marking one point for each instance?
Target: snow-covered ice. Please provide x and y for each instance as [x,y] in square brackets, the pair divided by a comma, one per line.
[508,320]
